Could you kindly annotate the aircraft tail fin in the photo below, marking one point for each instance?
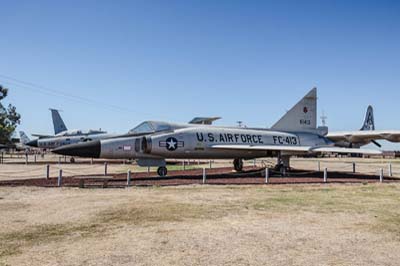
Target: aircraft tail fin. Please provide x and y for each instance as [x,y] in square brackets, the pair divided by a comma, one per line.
[302,116]
[369,122]
[58,123]
[204,120]
[23,137]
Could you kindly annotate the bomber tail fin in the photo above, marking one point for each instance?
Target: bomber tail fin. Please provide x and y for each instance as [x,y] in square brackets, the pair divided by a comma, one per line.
[369,122]
[58,123]
[23,137]
[302,116]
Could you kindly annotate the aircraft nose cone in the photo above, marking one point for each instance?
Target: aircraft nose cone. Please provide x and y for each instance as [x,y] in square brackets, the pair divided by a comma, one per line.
[89,149]
[33,143]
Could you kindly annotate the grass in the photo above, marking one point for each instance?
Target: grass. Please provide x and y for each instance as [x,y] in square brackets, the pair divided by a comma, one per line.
[147,215]
[142,215]
[11,243]
[186,204]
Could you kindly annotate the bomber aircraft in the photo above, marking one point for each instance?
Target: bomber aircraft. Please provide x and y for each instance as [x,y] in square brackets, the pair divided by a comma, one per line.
[153,142]
[366,135]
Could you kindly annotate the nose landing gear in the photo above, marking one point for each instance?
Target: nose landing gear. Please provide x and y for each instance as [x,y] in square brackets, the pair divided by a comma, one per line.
[162,171]
[238,165]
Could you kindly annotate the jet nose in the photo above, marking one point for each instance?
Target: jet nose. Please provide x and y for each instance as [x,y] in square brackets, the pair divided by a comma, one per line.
[89,149]
[32,143]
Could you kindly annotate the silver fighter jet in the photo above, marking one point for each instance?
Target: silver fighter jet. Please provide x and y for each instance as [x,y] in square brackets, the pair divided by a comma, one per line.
[295,133]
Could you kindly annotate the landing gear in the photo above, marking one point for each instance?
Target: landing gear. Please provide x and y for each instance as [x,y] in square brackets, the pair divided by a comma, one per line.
[283,164]
[72,160]
[162,171]
[238,165]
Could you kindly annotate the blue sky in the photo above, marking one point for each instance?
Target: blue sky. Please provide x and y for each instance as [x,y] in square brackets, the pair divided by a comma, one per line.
[113,64]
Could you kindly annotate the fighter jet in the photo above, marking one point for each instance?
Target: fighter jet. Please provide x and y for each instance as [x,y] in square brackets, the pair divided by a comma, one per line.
[366,135]
[295,133]
[63,136]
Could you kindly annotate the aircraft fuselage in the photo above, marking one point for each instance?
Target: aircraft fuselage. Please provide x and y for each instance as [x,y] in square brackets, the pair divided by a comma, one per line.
[197,143]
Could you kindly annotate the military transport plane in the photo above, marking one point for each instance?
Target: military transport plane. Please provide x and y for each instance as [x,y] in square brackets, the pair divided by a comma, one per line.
[366,135]
[63,136]
[58,124]
[295,133]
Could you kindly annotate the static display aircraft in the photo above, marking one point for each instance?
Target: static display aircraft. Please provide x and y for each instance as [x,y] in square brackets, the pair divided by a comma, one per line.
[295,133]
[23,140]
[63,136]
[366,135]
[17,143]
[4,147]
[58,124]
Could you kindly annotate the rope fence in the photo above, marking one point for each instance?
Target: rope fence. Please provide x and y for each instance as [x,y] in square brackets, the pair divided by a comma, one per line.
[310,167]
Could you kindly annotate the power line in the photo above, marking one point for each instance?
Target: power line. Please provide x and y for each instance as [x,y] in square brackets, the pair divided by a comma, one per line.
[21,84]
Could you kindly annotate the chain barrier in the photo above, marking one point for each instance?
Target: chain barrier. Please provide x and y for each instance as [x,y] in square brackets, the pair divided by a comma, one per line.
[23,176]
[65,171]
[24,171]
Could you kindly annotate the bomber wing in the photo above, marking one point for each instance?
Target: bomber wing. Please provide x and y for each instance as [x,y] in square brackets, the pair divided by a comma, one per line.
[365,136]
[305,149]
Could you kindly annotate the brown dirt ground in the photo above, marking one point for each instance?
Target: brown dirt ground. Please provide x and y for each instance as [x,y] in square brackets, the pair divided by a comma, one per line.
[215,176]
[201,225]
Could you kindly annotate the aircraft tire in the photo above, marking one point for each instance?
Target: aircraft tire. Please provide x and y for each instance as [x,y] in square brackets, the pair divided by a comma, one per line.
[238,165]
[162,171]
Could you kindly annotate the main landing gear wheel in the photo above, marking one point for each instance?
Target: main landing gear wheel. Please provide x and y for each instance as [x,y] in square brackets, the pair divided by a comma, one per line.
[162,171]
[72,160]
[281,168]
[238,165]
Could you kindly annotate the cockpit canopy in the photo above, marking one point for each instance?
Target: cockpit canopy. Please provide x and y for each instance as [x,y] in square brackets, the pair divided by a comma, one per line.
[149,127]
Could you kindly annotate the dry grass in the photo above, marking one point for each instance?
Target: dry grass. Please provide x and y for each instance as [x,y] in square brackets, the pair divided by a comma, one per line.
[202,225]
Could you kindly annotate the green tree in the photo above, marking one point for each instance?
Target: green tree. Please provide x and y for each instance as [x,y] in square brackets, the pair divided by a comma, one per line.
[9,118]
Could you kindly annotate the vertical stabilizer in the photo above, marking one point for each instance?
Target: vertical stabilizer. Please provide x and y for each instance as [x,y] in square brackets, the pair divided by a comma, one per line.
[23,137]
[369,122]
[302,116]
[58,123]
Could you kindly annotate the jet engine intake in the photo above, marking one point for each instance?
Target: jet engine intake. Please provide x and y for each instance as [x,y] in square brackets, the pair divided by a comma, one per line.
[146,144]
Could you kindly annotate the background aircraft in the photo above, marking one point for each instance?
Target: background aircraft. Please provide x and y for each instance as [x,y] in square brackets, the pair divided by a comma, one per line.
[63,136]
[295,133]
[366,135]
[23,140]
[16,143]
[4,146]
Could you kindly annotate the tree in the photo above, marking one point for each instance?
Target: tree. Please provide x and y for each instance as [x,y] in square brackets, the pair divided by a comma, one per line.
[9,118]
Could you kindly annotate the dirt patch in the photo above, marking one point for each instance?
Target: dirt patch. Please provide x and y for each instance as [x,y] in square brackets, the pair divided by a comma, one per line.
[202,225]
[215,176]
